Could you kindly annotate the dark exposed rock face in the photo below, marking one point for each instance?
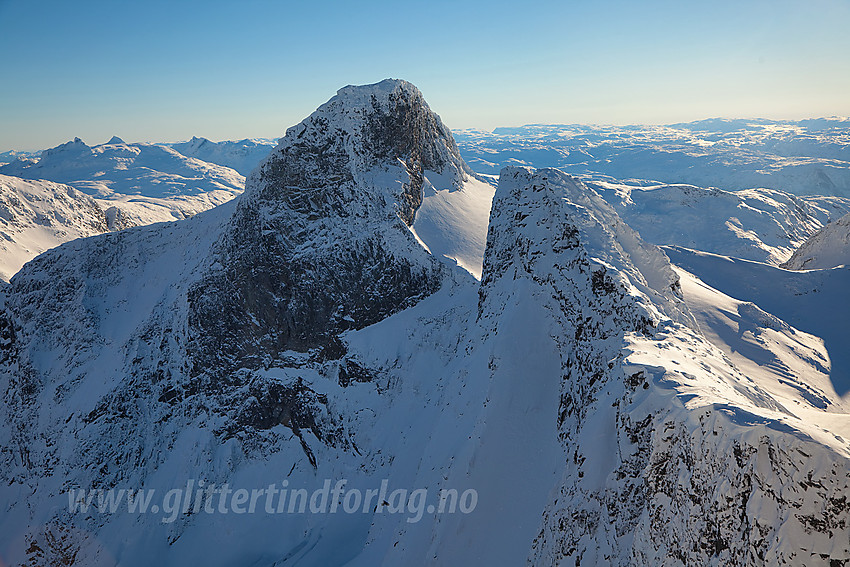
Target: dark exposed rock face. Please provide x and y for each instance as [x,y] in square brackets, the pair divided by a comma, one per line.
[266,303]
[319,243]
[116,219]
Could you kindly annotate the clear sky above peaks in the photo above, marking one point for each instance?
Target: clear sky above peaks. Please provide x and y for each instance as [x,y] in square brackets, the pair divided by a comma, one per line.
[167,70]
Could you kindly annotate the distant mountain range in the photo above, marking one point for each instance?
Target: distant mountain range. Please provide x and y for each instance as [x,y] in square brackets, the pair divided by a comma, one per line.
[242,155]
[127,184]
[807,157]
[147,183]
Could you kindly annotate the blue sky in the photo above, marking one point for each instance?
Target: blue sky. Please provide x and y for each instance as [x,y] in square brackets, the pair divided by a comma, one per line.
[167,70]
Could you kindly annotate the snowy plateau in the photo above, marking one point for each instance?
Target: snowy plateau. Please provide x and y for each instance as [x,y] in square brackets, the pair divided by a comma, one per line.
[629,343]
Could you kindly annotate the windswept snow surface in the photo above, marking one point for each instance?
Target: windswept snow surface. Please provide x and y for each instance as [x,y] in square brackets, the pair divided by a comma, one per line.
[794,366]
[755,224]
[132,184]
[146,170]
[452,222]
[828,248]
[36,215]
[146,182]
[812,301]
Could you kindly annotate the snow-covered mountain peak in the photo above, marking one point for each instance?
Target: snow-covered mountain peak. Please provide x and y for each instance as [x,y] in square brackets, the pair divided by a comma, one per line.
[385,87]
[75,147]
[114,140]
[193,145]
[549,209]
[640,394]
[366,132]
[307,333]
[339,193]
[381,95]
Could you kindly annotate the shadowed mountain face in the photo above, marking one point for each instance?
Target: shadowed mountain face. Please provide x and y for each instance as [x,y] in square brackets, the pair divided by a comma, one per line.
[320,242]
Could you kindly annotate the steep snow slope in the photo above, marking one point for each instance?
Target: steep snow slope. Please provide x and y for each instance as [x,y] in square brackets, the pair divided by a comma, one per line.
[38,215]
[812,301]
[668,453]
[305,332]
[828,248]
[242,155]
[134,184]
[453,220]
[135,210]
[754,224]
[792,365]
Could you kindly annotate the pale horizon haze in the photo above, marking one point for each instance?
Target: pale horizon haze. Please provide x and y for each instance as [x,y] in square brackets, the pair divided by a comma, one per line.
[167,71]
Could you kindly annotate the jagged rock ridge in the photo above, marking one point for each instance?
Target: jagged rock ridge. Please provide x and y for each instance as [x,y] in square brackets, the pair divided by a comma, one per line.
[664,465]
